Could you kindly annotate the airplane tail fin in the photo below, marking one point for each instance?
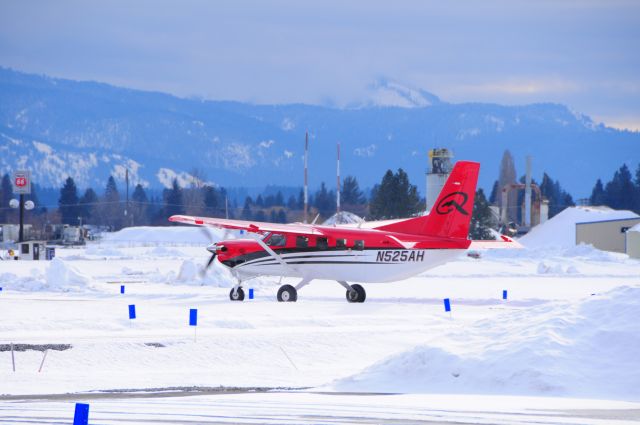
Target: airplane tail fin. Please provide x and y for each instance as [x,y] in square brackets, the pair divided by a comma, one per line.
[451,213]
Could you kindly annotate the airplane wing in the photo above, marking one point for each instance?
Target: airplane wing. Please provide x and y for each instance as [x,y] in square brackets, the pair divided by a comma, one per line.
[249,226]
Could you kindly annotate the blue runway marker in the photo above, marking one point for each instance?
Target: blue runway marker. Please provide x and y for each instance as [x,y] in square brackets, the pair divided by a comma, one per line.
[504,294]
[447,304]
[122,289]
[193,317]
[81,415]
[250,293]
[132,311]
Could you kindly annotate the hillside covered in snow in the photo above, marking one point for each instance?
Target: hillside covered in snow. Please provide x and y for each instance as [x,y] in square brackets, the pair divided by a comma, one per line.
[90,130]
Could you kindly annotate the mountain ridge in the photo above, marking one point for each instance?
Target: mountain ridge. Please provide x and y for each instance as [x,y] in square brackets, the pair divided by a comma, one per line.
[90,130]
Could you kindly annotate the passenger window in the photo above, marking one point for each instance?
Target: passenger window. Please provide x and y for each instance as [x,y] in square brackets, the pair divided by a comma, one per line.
[322,243]
[277,239]
[341,243]
[359,245]
[302,241]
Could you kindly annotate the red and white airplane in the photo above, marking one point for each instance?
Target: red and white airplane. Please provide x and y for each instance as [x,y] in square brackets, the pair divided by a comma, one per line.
[381,252]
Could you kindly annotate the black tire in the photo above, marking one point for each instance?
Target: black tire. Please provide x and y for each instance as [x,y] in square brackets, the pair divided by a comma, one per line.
[287,293]
[357,294]
[237,296]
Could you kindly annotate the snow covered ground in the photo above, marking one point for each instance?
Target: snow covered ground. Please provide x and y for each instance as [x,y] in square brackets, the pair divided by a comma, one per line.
[562,349]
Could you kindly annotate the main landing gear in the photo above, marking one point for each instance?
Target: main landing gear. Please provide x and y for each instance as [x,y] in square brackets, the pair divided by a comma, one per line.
[356,294]
[288,293]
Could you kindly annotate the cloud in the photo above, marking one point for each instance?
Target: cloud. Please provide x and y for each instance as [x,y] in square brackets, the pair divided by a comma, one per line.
[367,151]
[266,144]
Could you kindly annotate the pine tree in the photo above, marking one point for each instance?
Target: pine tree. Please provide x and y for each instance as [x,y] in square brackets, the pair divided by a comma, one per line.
[558,198]
[279,201]
[6,193]
[495,193]
[111,208]
[324,201]
[620,192]
[211,201]
[394,197]
[260,216]
[282,216]
[597,194]
[139,206]
[246,210]
[273,217]
[173,204]
[68,203]
[482,220]
[260,201]
[350,193]
[88,204]
[292,203]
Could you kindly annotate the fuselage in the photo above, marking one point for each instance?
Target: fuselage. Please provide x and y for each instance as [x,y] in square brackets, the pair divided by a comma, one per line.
[339,254]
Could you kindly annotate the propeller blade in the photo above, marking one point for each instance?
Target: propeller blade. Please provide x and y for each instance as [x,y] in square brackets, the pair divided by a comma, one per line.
[210,235]
[213,257]
[203,271]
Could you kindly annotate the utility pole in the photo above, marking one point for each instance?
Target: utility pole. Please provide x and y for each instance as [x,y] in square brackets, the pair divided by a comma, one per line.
[306,182]
[127,210]
[21,233]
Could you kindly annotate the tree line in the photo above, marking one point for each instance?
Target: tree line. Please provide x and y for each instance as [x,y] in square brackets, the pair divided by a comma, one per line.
[393,197]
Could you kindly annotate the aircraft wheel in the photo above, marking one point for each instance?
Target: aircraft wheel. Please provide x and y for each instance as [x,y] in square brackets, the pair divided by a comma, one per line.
[357,295]
[236,295]
[287,293]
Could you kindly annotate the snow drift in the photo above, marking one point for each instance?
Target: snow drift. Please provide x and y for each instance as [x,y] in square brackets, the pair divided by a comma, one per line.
[59,276]
[170,235]
[588,349]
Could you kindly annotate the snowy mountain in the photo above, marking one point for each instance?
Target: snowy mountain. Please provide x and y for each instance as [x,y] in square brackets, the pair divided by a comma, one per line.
[89,130]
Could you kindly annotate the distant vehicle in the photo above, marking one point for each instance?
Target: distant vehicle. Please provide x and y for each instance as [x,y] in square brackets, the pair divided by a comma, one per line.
[382,252]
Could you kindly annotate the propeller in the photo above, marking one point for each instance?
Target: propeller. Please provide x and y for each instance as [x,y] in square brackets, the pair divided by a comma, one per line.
[213,248]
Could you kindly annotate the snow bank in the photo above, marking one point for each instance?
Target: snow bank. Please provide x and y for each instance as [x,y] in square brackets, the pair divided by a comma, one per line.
[588,349]
[191,274]
[59,276]
[561,229]
[170,235]
[63,277]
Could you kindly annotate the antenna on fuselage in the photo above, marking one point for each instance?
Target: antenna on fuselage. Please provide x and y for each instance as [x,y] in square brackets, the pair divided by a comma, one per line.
[306,182]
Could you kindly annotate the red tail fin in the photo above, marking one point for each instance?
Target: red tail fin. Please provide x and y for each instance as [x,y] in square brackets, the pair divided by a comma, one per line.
[451,213]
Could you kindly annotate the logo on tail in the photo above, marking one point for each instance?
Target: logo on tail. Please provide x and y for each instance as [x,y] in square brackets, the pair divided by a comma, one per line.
[451,201]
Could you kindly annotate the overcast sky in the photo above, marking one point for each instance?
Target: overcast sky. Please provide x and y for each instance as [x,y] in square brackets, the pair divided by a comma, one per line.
[585,54]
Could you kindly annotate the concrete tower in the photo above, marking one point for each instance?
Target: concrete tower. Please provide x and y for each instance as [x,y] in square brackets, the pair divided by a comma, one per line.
[438,170]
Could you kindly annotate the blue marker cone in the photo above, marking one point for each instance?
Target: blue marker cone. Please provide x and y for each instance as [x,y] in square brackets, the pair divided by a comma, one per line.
[504,294]
[250,293]
[122,289]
